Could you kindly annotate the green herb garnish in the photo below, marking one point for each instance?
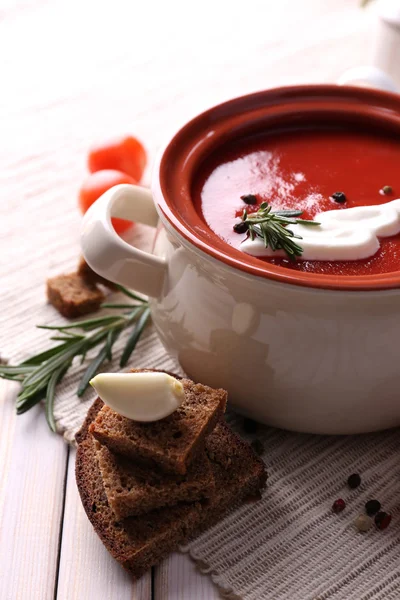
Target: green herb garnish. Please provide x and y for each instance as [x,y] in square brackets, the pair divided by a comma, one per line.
[272,228]
[40,374]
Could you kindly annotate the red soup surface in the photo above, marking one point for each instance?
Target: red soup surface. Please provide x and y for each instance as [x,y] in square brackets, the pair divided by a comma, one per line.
[301,170]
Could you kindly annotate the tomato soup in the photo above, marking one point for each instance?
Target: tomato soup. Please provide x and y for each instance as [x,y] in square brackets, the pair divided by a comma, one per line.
[302,170]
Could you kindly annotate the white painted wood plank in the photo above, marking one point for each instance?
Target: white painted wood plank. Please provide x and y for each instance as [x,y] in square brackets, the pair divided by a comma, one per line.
[177,578]
[86,568]
[32,472]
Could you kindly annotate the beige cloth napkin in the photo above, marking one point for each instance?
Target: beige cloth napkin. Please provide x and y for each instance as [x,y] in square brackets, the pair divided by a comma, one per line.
[289,545]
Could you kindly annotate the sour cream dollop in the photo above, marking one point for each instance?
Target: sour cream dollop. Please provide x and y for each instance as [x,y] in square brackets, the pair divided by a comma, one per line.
[346,234]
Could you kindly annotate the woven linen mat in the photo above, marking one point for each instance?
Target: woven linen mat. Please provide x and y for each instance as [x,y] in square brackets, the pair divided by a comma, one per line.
[289,545]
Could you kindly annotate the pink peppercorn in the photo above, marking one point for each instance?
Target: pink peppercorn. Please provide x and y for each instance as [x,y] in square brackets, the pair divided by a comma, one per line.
[339,505]
[382,520]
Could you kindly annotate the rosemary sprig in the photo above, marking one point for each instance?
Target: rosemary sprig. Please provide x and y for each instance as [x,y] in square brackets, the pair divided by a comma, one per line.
[134,337]
[272,228]
[40,374]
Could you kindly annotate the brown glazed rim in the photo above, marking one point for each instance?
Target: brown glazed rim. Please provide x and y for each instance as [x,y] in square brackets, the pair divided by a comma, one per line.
[288,107]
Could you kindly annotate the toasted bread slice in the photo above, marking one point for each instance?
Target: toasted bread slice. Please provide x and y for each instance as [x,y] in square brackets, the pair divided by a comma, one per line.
[171,443]
[133,491]
[73,296]
[139,543]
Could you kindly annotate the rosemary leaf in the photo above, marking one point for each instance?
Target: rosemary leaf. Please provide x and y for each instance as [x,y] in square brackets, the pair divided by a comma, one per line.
[86,325]
[72,334]
[130,294]
[49,405]
[97,336]
[107,321]
[272,239]
[109,305]
[92,341]
[42,356]
[50,394]
[64,338]
[133,314]
[308,222]
[91,370]
[53,363]
[29,390]
[284,221]
[111,337]
[11,369]
[32,401]
[265,237]
[12,377]
[134,337]
[288,213]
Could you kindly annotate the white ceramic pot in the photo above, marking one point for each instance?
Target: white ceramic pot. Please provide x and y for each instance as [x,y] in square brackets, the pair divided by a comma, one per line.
[316,355]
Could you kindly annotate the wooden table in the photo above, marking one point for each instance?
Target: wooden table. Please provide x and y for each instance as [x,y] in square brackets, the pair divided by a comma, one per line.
[73,72]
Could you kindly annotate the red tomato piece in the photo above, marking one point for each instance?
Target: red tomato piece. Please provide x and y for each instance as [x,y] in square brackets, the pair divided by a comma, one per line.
[96,184]
[124,154]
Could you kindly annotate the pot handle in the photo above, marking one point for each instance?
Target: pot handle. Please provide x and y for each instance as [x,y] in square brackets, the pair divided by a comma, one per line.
[371,76]
[108,254]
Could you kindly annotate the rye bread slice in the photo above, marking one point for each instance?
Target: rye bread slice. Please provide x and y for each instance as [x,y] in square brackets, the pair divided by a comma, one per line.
[133,491]
[171,443]
[73,296]
[139,543]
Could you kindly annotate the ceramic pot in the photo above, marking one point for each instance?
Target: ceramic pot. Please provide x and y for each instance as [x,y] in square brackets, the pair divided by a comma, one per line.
[297,350]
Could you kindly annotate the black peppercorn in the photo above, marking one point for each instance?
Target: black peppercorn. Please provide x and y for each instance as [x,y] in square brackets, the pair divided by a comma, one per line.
[387,190]
[354,481]
[372,507]
[241,227]
[249,198]
[339,197]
